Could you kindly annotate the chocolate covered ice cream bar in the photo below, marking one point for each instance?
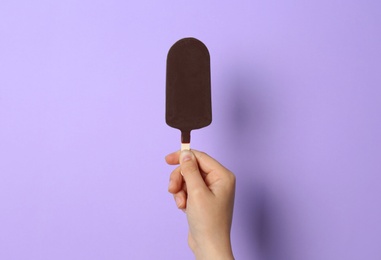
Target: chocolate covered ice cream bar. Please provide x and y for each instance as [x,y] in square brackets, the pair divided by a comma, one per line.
[188,88]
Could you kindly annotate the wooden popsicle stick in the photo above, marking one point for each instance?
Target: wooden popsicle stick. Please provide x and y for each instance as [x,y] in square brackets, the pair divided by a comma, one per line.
[185,146]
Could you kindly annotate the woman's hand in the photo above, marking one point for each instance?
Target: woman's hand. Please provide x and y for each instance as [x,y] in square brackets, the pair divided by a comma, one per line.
[204,189]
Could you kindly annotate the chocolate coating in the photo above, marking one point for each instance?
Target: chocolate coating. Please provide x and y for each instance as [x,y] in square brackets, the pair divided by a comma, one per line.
[188,90]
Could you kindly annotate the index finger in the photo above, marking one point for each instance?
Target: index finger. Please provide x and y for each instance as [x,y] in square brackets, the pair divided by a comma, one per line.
[208,164]
[173,158]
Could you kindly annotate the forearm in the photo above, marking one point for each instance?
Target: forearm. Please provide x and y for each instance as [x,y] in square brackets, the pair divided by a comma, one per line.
[221,250]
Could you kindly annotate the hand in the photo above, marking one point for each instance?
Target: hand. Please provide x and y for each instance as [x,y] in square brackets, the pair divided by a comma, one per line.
[204,189]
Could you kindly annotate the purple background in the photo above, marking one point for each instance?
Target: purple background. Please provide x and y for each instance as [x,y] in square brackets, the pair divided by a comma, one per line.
[296,106]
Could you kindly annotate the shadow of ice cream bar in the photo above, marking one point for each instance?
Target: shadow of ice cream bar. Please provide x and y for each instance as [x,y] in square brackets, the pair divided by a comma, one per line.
[188,90]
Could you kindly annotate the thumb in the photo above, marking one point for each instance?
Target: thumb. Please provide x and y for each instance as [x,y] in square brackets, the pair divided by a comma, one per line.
[190,171]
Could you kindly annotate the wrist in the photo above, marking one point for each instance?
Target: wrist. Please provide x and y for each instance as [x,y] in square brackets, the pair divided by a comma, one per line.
[211,251]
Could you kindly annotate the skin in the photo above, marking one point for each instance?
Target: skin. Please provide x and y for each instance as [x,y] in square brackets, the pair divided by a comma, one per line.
[204,190]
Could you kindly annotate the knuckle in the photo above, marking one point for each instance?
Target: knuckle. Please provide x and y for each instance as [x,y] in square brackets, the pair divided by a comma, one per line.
[175,174]
[197,193]
[189,168]
[231,178]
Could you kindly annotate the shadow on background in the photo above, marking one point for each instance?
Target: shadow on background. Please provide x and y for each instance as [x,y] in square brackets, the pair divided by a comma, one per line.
[246,135]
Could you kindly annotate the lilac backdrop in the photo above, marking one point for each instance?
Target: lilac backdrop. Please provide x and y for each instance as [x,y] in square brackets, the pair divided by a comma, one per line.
[296,105]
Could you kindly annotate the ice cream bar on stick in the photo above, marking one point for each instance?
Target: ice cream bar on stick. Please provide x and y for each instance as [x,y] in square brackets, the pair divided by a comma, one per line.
[188,91]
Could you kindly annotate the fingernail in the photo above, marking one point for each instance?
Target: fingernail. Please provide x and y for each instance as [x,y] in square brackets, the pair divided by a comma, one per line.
[185,155]
[178,201]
